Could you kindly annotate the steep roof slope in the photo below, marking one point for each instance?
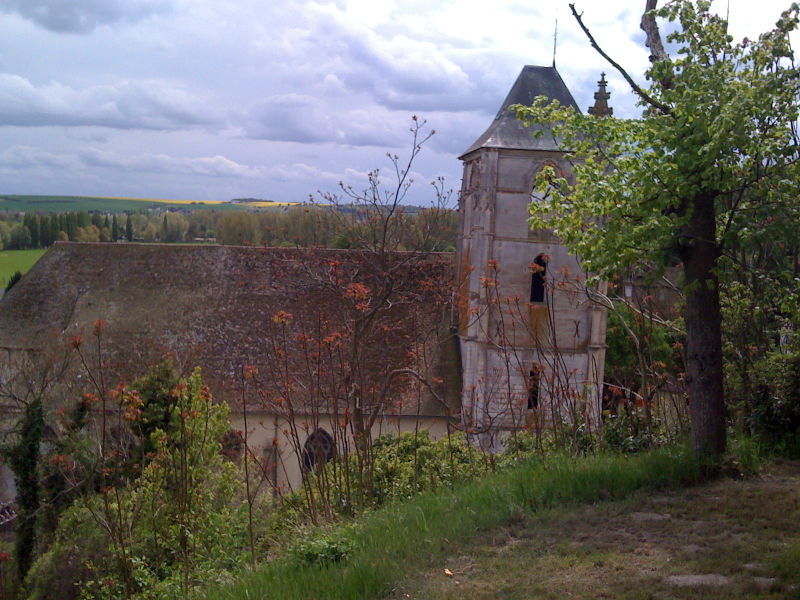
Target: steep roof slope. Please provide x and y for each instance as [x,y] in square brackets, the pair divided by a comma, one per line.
[506,131]
[216,306]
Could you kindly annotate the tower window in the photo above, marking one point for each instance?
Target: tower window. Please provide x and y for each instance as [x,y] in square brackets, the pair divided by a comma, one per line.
[534,378]
[538,273]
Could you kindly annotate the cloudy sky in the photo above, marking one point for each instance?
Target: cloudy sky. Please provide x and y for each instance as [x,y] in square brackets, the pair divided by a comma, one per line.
[211,99]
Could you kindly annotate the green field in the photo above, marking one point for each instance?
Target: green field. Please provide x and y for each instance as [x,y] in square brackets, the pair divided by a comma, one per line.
[16,260]
[43,204]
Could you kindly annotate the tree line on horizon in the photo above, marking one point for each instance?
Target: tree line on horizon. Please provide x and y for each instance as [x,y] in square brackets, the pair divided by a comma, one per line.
[299,226]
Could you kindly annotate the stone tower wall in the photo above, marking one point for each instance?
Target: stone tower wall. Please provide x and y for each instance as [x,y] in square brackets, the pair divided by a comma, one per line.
[503,335]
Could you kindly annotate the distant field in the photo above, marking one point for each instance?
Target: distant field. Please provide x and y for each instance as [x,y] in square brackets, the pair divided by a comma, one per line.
[115,205]
[16,260]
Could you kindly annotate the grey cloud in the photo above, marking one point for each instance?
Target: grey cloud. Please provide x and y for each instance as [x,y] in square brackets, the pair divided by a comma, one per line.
[455,132]
[83,16]
[27,157]
[306,119]
[86,135]
[152,105]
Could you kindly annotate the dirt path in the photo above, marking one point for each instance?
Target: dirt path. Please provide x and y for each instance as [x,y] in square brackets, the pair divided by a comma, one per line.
[726,539]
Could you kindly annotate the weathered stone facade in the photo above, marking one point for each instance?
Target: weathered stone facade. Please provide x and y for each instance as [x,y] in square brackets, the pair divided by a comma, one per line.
[532,343]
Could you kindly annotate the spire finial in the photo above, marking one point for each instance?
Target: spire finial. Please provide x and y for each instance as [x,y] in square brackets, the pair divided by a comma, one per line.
[601,96]
[555,42]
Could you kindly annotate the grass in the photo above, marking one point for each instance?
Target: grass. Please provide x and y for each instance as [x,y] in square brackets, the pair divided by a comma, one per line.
[786,561]
[726,539]
[422,532]
[110,204]
[12,261]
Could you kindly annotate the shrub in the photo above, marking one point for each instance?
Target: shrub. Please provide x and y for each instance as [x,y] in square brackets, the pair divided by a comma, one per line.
[13,280]
[521,445]
[333,547]
[7,571]
[177,524]
[410,463]
[747,454]
[775,416]
[155,405]
[78,551]
[628,431]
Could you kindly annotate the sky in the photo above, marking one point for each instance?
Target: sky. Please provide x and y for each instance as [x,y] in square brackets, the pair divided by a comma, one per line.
[281,99]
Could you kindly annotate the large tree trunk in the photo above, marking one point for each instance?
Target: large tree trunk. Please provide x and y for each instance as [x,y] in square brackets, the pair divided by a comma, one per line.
[703,319]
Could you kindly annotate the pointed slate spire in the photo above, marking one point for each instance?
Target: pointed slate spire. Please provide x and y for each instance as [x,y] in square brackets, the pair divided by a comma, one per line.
[506,131]
[601,96]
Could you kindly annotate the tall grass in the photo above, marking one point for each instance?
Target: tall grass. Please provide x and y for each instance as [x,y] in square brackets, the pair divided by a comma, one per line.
[414,534]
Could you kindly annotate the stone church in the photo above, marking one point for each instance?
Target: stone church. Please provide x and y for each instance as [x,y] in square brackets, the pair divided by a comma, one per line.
[532,342]
[504,337]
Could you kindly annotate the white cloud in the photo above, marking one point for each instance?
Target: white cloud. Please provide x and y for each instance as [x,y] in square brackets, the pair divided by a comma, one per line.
[304,172]
[211,166]
[398,71]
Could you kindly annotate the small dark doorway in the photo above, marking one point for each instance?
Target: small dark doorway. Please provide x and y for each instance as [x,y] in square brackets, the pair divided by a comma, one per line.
[534,378]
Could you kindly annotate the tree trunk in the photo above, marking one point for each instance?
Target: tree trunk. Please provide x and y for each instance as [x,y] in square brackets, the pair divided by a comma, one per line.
[703,319]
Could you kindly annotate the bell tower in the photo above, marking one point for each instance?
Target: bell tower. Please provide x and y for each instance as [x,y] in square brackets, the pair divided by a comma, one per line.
[532,341]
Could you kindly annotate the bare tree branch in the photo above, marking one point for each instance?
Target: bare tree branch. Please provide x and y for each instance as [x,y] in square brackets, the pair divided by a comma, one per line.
[385,390]
[634,86]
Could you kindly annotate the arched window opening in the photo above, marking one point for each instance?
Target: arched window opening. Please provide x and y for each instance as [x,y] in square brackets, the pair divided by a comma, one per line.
[318,449]
[550,170]
[538,275]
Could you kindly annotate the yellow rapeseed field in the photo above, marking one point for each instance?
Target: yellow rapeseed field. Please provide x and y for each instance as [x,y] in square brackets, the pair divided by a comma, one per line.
[163,200]
[262,204]
[267,204]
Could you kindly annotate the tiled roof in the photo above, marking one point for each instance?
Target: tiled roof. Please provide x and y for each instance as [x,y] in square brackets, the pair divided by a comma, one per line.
[216,307]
